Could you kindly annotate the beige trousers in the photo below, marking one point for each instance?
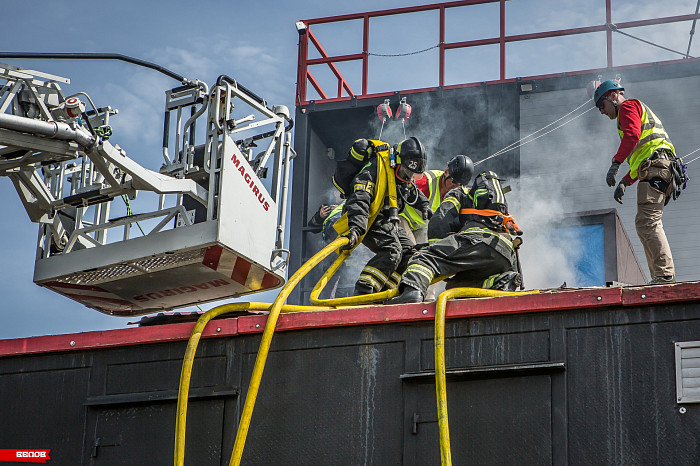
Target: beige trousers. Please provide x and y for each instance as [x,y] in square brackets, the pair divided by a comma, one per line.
[650,208]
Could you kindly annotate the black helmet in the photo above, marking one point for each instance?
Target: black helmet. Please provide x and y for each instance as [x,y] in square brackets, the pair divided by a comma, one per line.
[411,154]
[461,169]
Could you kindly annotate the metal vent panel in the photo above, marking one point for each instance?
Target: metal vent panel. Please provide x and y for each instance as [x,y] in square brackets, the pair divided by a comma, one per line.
[145,265]
[688,372]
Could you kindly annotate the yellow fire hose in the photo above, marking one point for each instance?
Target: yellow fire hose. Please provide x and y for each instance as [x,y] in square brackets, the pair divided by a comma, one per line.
[186,373]
[440,382]
[265,344]
[350,300]
[274,311]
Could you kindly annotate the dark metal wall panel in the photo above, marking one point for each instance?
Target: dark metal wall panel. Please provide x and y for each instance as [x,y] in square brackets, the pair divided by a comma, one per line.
[144,434]
[43,408]
[329,405]
[488,350]
[492,421]
[584,386]
[622,406]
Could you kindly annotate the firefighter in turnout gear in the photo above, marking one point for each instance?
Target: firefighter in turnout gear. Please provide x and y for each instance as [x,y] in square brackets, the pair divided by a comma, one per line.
[469,237]
[652,160]
[435,184]
[383,236]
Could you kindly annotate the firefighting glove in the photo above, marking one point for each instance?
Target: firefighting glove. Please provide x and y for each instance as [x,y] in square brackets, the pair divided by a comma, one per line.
[352,235]
[612,172]
[619,192]
[427,214]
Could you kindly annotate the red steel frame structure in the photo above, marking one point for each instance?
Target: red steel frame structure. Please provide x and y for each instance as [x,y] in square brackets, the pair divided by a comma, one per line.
[305,76]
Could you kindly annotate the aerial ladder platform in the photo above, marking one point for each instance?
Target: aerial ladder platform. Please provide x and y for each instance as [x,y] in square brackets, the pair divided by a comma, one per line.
[207,226]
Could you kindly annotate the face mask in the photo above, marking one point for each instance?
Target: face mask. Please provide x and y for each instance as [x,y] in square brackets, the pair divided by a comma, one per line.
[404,173]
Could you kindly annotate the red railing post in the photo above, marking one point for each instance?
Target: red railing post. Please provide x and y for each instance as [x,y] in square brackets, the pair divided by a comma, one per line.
[502,45]
[301,72]
[365,52]
[441,72]
[608,33]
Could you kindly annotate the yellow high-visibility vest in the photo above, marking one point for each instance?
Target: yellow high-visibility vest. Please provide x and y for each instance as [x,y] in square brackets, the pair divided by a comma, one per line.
[653,137]
[415,218]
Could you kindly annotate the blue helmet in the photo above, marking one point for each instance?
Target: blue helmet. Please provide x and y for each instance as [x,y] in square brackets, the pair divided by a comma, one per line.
[604,88]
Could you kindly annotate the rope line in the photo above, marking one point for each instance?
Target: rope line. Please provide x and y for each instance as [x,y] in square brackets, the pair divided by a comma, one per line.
[691,153]
[614,28]
[402,54]
[519,142]
[129,213]
[529,138]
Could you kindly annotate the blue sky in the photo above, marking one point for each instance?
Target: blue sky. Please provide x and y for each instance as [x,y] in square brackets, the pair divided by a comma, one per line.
[255,43]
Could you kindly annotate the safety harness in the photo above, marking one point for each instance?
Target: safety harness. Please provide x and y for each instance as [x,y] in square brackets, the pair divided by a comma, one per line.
[506,220]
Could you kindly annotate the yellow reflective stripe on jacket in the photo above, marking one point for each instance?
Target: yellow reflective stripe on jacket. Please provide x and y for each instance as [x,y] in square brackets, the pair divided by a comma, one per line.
[473,230]
[338,208]
[454,201]
[376,273]
[371,281]
[369,187]
[393,281]
[653,137]
[500,197]
[356,155]
[488,283]
[415,218]
[421,270]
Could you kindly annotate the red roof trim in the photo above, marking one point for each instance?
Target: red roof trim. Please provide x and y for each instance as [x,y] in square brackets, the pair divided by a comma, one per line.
[426,311]
[678,292]
[112,338]
[460,308]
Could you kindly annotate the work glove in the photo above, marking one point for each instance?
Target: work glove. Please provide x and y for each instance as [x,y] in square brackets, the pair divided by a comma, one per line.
[619,192]
[612,172]
[427,214]
[352,235]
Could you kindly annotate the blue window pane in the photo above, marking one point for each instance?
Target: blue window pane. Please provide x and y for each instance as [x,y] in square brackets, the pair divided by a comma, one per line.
[587,252]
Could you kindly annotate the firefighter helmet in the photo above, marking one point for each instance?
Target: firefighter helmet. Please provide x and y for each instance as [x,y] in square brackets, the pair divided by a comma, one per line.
[604,88]
[461,169]
[411,154]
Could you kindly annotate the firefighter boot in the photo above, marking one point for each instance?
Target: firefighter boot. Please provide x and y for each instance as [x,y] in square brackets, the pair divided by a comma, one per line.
[361,288]
[408,295]
[507,281]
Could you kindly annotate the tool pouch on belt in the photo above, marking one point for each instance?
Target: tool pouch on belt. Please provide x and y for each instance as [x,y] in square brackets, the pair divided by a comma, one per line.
[655,168]
[666,173]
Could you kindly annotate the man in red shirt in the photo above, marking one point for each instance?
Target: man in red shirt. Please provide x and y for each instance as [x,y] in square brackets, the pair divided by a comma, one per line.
[649,152]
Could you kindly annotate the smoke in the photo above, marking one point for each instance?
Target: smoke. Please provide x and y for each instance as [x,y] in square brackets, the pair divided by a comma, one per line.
[553,166]
[546,261]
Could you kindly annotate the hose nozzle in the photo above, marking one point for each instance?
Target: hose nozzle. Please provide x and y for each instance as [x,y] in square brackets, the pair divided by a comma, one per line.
[394,215]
